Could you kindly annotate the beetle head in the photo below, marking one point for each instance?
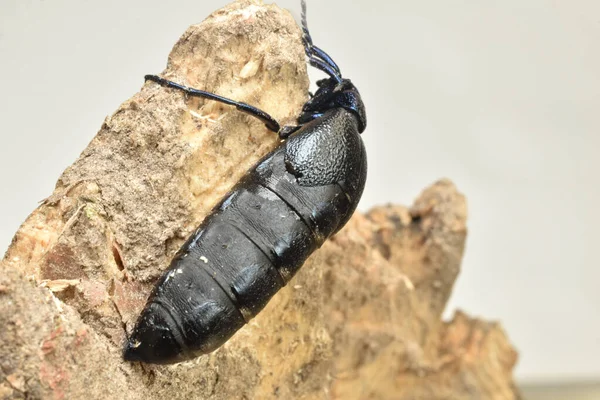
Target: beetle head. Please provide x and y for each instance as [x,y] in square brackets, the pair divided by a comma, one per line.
[333,94]
[335,91]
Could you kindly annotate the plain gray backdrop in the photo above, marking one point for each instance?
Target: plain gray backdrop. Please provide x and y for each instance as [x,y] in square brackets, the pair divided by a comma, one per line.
[503,97]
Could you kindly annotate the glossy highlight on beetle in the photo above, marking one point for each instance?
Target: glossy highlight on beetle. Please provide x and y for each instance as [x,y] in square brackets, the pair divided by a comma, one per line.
[259,235]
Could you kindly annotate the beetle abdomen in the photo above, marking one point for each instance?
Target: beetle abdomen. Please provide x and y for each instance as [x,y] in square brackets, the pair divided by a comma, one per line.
[250,246]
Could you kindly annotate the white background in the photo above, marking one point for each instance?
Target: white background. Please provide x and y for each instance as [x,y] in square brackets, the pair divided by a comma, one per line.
[503,97]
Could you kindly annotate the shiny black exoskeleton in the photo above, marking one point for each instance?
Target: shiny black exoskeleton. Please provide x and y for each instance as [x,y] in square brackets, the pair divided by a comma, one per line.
[260,234]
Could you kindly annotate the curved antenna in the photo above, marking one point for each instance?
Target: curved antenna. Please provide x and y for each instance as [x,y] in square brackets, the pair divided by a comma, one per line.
[325,57]
[317,57]
[270,122]
[323,66]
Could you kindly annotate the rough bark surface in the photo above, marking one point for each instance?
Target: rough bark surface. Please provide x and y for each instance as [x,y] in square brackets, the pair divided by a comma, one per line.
[361,320]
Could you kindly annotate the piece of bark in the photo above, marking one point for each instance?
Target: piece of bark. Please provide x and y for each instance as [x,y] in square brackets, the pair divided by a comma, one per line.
[362,319]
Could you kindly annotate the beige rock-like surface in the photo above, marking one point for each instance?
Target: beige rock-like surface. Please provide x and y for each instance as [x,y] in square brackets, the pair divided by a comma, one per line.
[361,320]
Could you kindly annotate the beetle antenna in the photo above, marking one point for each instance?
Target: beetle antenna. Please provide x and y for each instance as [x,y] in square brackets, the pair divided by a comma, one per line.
[323,66]
[325,57]
[317,57]
[270,122]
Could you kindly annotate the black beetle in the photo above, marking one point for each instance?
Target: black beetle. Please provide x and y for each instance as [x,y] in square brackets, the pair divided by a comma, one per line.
[255,240]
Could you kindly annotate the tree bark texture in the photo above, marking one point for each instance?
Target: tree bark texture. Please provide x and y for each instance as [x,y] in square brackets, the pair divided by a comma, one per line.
[361,320]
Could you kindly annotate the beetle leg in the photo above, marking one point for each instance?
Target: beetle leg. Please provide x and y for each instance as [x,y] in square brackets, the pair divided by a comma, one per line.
[270,122]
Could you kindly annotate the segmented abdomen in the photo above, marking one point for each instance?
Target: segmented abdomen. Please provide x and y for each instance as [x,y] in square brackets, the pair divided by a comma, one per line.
[250,246]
